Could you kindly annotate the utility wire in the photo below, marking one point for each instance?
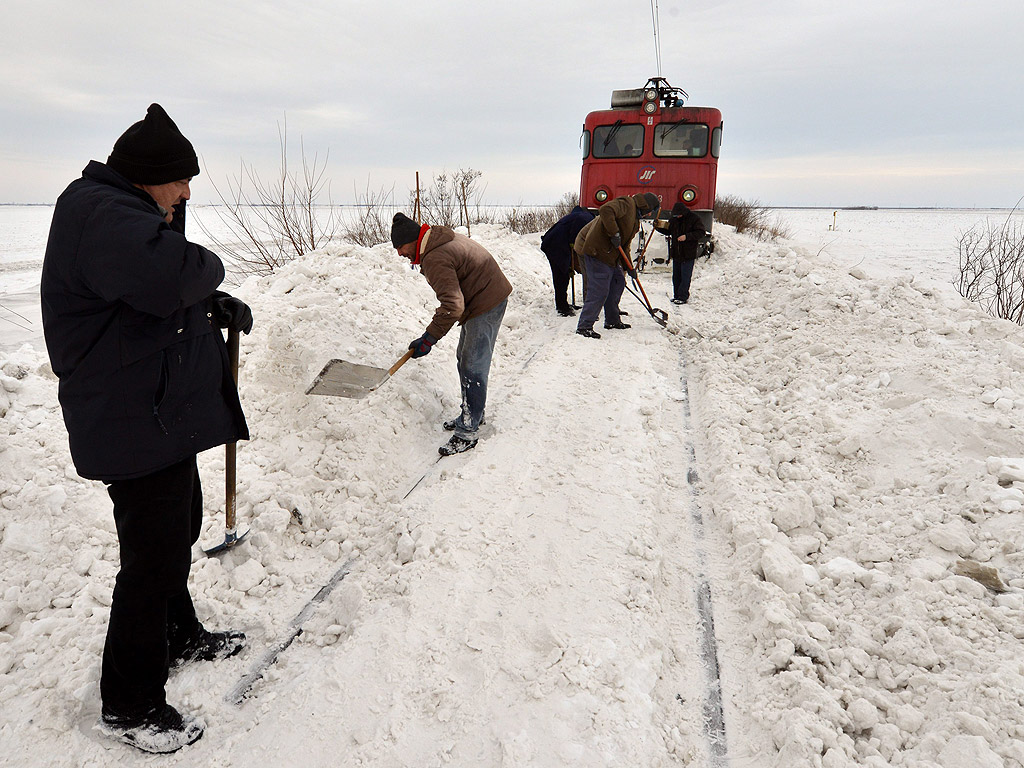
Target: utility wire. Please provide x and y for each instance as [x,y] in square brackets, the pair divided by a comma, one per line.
[657,33]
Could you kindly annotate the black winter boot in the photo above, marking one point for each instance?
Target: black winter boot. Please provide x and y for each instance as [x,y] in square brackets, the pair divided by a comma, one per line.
[590,333]
[208,646]
[160,730]
[456,445]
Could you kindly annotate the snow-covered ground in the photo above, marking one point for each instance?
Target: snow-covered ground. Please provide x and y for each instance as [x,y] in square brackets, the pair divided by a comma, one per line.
[829,448]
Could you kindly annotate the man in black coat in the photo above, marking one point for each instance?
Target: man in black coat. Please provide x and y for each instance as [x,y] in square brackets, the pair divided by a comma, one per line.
[685,233]
[132,320]
[557,246]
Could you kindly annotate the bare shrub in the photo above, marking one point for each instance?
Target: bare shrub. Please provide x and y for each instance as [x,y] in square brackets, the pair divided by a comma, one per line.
[374,212]
[992,269]
[275,221]
[565,204]
[749,217]
[525,220]
[446,202]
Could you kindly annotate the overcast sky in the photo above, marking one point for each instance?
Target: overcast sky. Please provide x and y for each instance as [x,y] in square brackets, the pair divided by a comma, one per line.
[893,103]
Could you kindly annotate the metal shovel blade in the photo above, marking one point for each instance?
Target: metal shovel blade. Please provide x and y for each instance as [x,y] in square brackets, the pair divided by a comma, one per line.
[340,378]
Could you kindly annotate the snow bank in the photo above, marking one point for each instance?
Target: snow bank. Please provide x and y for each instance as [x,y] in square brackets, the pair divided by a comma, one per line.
[859,444]
[852,430]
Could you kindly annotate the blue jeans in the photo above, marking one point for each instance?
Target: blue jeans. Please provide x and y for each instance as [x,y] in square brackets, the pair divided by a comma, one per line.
[476,347]
[604,288]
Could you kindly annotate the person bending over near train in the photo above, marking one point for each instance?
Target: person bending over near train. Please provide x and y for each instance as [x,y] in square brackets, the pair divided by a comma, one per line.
[601,242]
[472,291]
[685,232]
[556,244]
[132,320]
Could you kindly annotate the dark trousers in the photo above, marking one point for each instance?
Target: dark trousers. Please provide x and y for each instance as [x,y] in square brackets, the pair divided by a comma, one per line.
[682,272]
[158,518]
[604,287]
[561,272]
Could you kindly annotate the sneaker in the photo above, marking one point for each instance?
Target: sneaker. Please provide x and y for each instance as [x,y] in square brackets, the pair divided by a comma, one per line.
[209,646]
[590,333]
[678,301]
[456,445]
[619,326]
[566,312]
[450,424]
[160,730]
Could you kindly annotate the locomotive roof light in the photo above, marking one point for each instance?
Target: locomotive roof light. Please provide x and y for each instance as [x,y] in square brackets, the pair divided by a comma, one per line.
[651,94]
[650,107]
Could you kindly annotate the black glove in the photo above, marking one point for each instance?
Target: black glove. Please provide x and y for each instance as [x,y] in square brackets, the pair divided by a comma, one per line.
[422,345]
[616,240]
[631,273]
[229,312]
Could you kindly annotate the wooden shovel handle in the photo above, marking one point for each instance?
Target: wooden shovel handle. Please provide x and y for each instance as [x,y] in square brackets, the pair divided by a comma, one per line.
[401,361]
[229,457]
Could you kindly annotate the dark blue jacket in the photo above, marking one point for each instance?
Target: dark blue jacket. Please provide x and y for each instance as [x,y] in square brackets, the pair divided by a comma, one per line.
[144,375]
[557,241]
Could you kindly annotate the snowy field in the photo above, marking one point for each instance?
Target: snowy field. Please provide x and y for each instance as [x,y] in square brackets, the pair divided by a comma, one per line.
[826,437]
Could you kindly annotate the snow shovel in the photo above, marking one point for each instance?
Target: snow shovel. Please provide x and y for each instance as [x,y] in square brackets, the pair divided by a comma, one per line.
[340,378]
[660,316]
[231,538]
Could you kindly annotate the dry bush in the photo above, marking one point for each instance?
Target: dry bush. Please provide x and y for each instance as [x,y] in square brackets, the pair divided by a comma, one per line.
[749,217]
[374,213]
[992,269]
[273,222]
[539,218]
[447,201]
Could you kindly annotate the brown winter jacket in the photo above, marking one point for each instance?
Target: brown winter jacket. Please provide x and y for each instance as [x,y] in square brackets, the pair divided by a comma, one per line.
[466,278]
[621,216]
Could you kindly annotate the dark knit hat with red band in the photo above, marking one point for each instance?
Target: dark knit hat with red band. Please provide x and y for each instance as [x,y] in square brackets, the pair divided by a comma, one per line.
[403,230]
[153,151]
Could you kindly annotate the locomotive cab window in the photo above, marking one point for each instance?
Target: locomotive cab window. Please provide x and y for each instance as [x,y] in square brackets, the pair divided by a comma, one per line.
[680,140]
[618,140]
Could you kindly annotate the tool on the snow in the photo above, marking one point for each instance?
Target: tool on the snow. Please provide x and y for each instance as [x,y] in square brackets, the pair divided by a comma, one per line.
[660,316]
[231,537]
[243,686]
[340,378]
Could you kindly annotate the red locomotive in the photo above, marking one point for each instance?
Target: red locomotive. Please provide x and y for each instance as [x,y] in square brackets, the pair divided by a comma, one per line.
[649,142]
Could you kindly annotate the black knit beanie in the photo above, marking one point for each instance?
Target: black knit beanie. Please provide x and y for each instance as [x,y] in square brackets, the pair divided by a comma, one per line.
[652,203]
[403,230]
[153,151]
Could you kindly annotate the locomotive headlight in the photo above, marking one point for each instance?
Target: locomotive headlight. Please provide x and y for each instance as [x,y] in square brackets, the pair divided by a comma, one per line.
[601,195]
[650,107]
[651,94]
[689,195]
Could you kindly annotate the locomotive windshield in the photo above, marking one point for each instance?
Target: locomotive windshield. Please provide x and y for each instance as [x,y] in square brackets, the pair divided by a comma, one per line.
[618,140]
[680,140]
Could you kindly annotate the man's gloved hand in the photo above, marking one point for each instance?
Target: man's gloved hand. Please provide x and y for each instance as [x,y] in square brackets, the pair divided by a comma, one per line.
[422,345]
[616,240]
[229,312]
[631,272]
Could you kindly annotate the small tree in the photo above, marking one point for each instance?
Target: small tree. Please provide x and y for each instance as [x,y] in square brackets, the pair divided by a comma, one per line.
[373,217]
[748,217]
[992,269]
[446,202]
[275,221]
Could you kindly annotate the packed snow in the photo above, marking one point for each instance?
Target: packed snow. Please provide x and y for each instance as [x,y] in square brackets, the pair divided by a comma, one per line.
[836,453]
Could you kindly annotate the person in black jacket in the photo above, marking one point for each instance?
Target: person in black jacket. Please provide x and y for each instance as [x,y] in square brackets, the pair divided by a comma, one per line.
[685,232]
[132,321]
[556,244]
